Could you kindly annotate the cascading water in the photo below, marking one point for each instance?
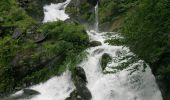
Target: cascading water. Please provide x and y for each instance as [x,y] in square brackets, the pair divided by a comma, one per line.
[96,18]
[55,12]
[134,82]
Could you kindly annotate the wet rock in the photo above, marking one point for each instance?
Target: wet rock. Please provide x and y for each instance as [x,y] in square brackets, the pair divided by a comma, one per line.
[106,58]
[74,96]
[76,10]
[81,92]
[27,94]
[97,51]
[30,92]
[79,72]
[93,2]
[95,43]
[17,33]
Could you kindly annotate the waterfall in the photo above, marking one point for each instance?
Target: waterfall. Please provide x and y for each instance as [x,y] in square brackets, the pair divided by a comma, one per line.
[55,12]
[135,82]
[97,17]
[131,83]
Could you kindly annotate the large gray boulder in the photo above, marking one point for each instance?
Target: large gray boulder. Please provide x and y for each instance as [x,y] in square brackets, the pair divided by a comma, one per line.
[79,79]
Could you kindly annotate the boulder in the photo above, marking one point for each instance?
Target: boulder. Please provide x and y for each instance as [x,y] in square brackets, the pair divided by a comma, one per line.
[81,92]
[17,33]
[106,58]
[95,43]
[30,92]
[79,72]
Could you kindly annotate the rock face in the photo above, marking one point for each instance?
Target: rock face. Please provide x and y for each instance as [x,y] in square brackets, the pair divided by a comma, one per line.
[93,2]
[30,92]
[105,60]
[17,33]
[95,43]
[81,92]
[81,10]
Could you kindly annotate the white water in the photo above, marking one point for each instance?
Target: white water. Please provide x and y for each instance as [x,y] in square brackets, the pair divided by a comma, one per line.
[57,88]
[131,83]
[122,85]
[55,12]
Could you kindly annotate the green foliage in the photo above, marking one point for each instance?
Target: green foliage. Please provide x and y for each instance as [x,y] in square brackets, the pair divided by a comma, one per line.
[109,9]
[14,16]
[116,41]
[146,30]
[68,32]
[23,61]
[8,47]
[147,33]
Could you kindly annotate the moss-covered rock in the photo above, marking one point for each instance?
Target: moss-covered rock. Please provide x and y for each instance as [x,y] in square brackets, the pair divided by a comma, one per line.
[105,60]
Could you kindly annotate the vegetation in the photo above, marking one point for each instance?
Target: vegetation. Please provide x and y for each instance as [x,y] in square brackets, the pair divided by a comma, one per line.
[13,16]
[29,63]
[109,9]
[81,11]
[116,41]
[39,52]
[44,50]
[146,31]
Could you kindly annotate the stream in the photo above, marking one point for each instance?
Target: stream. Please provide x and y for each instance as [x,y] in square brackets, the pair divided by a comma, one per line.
[134,82]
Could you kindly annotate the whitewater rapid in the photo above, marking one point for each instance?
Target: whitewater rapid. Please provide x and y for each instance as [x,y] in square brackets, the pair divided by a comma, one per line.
[55,12]
[135,82]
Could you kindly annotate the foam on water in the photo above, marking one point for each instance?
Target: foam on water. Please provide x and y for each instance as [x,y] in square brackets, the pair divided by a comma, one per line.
[55,12]
[122,85]
[57,88]
[131,83]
